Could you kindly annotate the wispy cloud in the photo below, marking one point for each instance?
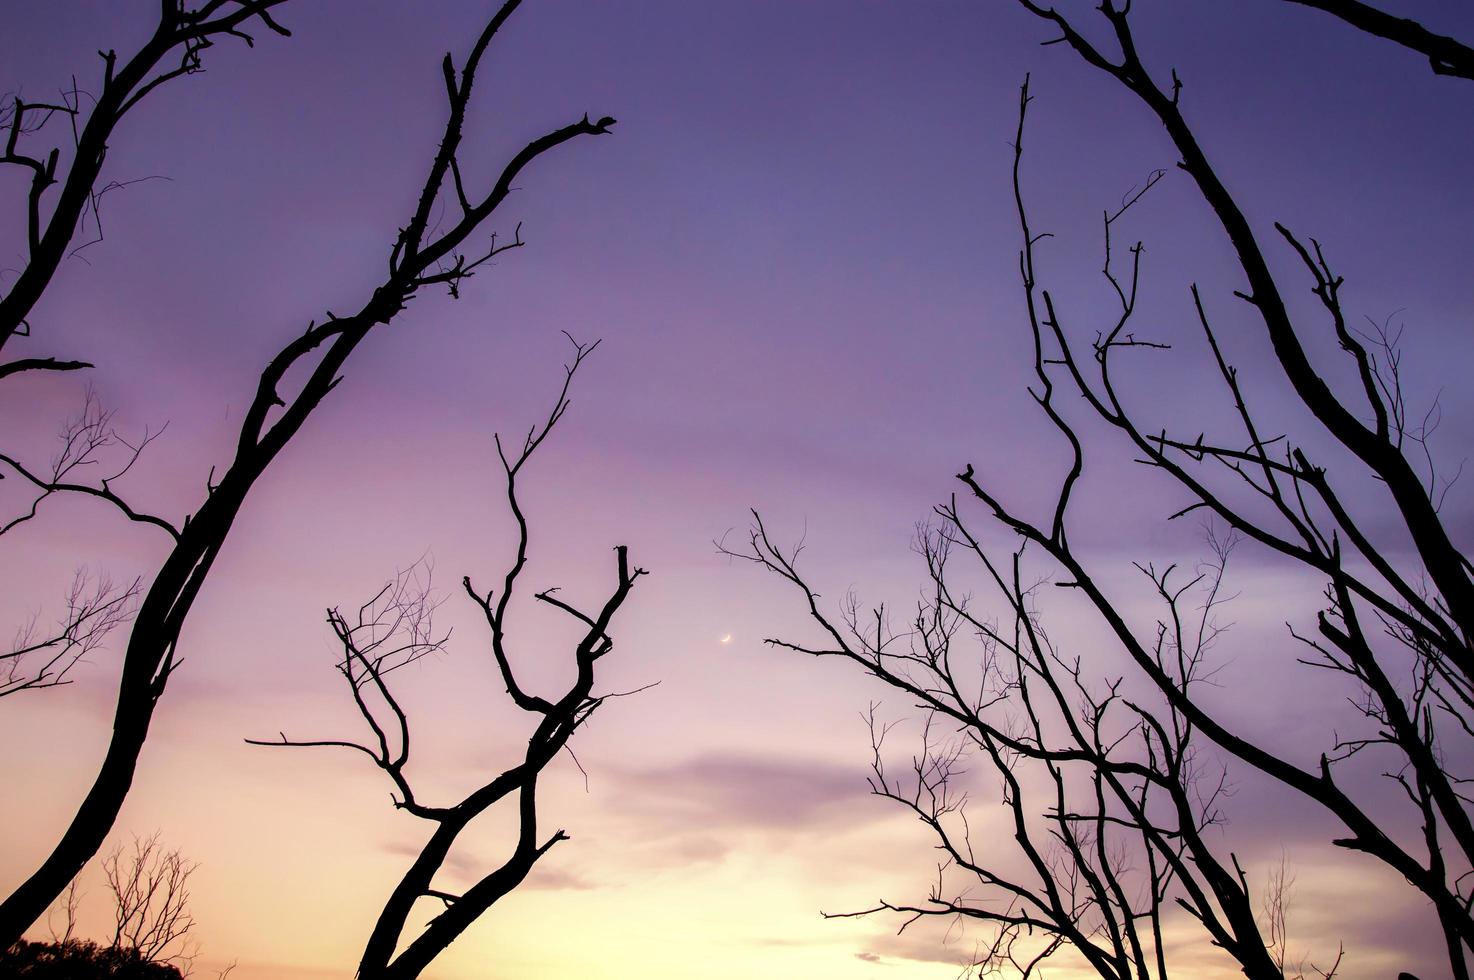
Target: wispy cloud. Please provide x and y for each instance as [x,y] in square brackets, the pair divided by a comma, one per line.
[457,863]
[734,790]
[719,807]
[552,878]
[462,865]
[923,942]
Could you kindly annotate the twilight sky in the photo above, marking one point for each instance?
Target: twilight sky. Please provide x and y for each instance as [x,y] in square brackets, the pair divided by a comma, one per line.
[799,249]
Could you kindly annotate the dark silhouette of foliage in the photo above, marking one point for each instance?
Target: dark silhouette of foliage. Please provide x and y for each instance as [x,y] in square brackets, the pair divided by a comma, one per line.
[76,959]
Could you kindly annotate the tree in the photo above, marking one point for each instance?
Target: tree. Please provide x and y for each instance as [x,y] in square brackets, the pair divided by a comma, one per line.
[1427,613]
[430,249]
[1398,634]
[181,32]
[79,960]
[395,629]
[152,922]
[41,659]
[1108,801]
[150,890]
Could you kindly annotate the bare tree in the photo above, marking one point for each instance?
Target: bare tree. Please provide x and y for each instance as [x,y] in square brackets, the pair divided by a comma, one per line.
[90,118]
[1403,638]
[1107,800]
[427,250]
[1278,895]
[394,629]
[1398,637]
[1107,797]
[69,902]
[150,889]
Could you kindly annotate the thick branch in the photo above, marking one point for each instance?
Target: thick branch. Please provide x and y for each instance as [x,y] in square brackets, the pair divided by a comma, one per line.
[1445,55]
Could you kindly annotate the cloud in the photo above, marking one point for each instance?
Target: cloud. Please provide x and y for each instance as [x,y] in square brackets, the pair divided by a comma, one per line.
[718,807]
[552,878]
[456,863]
[462,866]
[925,941]
[732,790]
[694,849]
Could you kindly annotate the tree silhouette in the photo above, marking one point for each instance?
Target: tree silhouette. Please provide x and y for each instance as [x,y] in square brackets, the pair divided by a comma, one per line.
[394,629]
[1107,798]
[1399,634]
[152,922]
[1380,624]
[150,889]
[424,252]
[80,960]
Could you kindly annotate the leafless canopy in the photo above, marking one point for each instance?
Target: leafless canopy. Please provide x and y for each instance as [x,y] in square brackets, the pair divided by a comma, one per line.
[1403,638]
[150,889]
[394,629]
[1109,782]
[1106,797]
[292,385]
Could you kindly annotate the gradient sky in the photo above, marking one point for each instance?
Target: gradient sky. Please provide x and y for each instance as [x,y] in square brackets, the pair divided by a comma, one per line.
[799,250]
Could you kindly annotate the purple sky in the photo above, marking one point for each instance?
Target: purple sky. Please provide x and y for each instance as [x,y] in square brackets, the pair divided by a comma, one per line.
[799,249]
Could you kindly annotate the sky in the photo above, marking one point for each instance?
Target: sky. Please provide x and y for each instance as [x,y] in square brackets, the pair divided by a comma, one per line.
[799,252]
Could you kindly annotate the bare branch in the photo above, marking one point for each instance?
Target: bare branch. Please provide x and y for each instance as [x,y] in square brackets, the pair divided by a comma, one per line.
[38,658]
[181,34]
[273,416]
[393,630]
[1445,55]
[150,888]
